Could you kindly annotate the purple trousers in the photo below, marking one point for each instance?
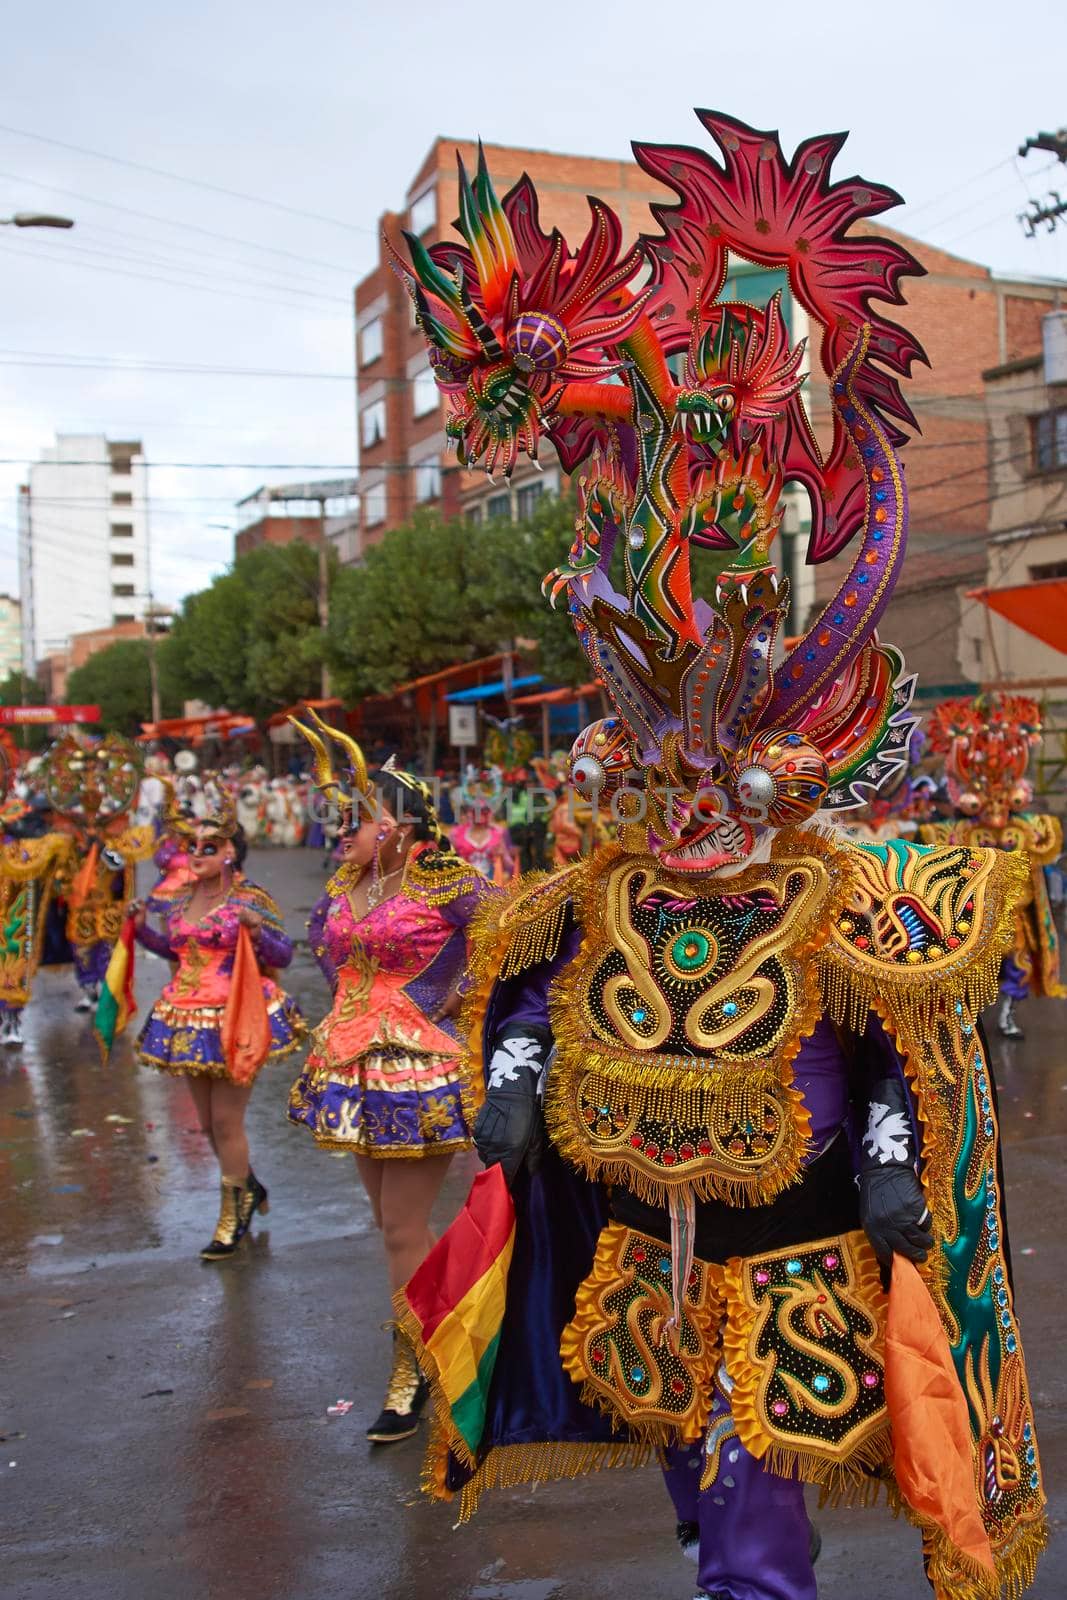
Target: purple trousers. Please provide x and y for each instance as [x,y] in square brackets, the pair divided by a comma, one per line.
[1013,980]
[90,963]
[753,1526]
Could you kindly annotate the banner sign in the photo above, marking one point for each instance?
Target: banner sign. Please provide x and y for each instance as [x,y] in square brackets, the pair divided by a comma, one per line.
[11,716]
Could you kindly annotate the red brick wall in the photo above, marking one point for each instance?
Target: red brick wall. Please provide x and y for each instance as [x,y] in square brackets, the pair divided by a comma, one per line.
[278,530]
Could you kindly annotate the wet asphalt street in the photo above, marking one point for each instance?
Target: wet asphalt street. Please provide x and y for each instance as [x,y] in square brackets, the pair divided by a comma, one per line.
[163,1427]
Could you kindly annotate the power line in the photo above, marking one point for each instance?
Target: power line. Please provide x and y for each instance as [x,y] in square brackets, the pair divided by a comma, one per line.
[170,222]
[180,177]
[188,369]
[65,259]
[74,256]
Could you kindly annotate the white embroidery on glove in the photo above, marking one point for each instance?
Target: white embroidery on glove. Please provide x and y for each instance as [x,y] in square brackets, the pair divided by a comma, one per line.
[888,1135]
[509,1056]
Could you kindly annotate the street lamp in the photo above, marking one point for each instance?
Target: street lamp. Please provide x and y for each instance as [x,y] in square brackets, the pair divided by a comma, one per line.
[36,219]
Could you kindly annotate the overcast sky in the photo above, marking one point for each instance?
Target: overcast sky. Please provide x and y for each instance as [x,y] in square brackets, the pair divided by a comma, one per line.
[329,107]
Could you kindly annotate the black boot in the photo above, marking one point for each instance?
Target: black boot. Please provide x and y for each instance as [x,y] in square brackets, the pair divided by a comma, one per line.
[230,1229]
[253,1198]
[405,1397]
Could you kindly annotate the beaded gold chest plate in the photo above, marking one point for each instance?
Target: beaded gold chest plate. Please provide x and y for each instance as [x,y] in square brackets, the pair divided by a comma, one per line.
[677,1024]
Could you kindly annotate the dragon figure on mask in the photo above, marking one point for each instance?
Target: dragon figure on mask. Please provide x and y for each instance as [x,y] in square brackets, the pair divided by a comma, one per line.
[735,1102]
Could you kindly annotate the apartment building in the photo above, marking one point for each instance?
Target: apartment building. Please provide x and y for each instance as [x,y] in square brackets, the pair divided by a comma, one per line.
[83,541]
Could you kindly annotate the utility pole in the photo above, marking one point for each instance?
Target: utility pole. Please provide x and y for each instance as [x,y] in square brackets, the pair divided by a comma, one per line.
[1053,208]
[324,591]
[150,613]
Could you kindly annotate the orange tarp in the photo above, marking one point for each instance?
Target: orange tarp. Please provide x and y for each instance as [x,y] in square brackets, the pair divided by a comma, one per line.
[1038,608]
[559,697]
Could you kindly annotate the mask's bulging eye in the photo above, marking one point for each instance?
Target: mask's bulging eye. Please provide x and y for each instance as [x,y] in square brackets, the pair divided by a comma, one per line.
[588,776]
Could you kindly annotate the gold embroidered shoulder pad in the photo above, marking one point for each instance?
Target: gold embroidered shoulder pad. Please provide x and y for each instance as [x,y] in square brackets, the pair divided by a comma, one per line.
[437,877]
[924,924]
[523,926]
[260,900]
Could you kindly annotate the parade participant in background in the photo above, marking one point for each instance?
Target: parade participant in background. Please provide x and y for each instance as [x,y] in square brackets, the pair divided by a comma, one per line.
[92,786]
[31,858]
[734,1072]
[188,1031]
[383,1078]
[484,843]
[986,743]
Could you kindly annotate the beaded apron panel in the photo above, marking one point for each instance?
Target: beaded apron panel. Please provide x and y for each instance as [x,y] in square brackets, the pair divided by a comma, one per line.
[801,1331]
[678,1022]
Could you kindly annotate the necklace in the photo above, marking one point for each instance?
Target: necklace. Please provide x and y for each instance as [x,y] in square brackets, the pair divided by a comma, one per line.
[376,892]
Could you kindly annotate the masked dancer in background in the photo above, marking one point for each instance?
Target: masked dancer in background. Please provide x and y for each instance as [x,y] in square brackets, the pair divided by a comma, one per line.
[92,787]
[32,856]
[986,743]
[383,1077]
[184,1032]
[744,1204]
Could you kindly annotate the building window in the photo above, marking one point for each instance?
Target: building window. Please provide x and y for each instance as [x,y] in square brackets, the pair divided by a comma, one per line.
[121,497]
[374,505]
[123,616]
[123,591]
[423,212]
[370,341]
[1048,440]
[424,392]
[428,479]
[122,558]
[526,499]
[498,505]
[1048,569]
[473,515]
[122,530]
[372,424]
[122,466]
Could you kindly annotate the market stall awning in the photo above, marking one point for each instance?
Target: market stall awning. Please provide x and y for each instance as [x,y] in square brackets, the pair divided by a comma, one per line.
[487,691]
[1039,608]
[221,725]
[331,703]
[560,697]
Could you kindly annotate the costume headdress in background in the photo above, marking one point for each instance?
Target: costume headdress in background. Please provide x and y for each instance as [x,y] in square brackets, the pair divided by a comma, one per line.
[93,783]
[346,788]
[179,820]
[680,410]
[986,743]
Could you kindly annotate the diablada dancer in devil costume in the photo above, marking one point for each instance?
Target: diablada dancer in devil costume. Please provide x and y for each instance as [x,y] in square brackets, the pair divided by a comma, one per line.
[986,743]
[92,787]
[758,1048]
[383,1078]
[32,858]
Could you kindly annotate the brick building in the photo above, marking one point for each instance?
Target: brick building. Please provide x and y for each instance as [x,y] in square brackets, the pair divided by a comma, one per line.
[401,416]
[967,318]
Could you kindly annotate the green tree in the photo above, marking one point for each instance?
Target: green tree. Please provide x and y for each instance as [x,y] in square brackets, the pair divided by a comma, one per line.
[118,680]
[15,690]
[434,592]
[251,641]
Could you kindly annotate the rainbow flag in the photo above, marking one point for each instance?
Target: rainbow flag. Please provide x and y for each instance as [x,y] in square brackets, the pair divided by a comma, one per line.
[452,1309]
[116,1004]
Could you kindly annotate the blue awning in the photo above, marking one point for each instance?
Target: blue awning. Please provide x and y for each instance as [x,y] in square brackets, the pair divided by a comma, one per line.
[486,691]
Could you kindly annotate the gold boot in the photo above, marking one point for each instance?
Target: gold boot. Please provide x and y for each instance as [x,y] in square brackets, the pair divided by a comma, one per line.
[405,1397]
[230,1228]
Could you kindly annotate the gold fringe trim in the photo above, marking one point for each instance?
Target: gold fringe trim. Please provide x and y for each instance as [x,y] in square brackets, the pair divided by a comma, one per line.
[955,1576]
[444,1428]
[511,1465]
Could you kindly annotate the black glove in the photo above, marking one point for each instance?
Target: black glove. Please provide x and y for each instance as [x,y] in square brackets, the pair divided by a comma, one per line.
[510,1126]
[893,1208]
